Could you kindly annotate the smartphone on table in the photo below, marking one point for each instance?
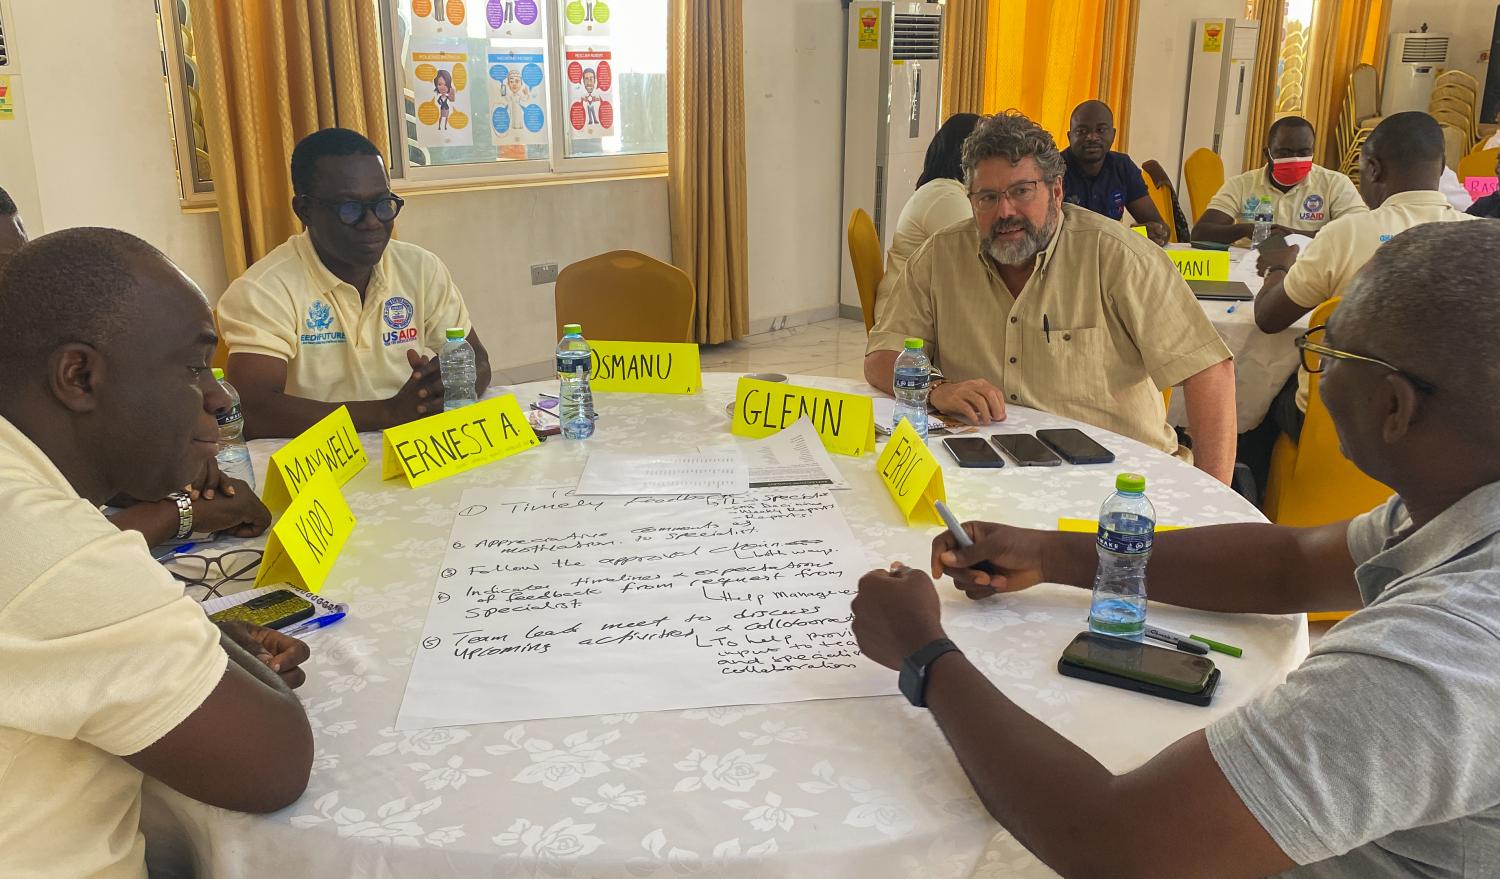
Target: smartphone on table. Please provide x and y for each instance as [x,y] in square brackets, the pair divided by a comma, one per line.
[1143,668]
[1075,446]
[1026,449]
[274,610]
[973,451]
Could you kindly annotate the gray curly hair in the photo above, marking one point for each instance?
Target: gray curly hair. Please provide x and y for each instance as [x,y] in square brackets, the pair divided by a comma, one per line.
[1012,136]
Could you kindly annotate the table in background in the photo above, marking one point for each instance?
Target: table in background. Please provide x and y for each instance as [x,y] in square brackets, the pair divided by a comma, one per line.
[837,788]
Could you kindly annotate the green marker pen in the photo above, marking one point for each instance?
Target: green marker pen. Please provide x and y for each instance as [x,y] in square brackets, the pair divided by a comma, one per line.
[1220,647]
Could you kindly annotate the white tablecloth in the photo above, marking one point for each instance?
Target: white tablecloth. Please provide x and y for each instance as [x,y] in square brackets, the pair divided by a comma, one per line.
[847,788]
[1262,363]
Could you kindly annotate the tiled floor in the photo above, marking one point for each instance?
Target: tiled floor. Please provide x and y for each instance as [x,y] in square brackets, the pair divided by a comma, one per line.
[832,347]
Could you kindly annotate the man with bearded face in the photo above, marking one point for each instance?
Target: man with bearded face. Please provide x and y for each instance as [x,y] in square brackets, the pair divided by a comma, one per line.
[1048,305]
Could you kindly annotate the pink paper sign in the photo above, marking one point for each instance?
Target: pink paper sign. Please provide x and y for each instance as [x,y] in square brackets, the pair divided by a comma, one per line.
[1479,187]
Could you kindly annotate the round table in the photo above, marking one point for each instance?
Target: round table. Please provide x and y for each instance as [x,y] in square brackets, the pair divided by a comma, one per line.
[838,788]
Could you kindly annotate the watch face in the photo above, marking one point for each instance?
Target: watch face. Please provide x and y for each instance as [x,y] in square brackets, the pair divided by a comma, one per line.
[911,683]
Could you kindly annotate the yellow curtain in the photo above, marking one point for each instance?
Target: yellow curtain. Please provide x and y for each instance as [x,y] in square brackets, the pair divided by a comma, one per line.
[706,161]
[1045,57]
[1272,17]
[963,56]
[1377,34]
[1340,30]
[275,71]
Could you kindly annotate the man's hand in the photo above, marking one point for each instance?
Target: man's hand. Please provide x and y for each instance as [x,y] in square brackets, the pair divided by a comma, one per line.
[422,395]
[235,511]
[1276,257]
[895,614]
[282,654]
[1017,552]
[975,401]
[210,482]
[1158,233]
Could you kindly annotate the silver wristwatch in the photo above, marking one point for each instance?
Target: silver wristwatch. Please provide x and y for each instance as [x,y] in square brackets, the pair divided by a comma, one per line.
[184,513]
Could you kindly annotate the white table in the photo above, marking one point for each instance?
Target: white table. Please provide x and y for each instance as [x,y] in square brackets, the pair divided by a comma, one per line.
[1262,363]
[848,788]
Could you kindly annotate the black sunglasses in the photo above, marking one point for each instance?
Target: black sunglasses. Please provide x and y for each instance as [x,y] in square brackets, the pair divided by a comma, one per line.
[351,212]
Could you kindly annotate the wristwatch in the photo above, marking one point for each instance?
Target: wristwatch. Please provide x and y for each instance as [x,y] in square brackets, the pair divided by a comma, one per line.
[914,670]
[184,513]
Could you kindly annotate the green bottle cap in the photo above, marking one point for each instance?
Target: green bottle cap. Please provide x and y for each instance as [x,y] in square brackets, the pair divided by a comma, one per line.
[572,330]
[914,344]
[218,374]
[456,333]
[1134,483]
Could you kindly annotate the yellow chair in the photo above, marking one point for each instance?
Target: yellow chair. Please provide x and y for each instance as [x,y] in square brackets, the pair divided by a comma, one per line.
[868,261]
[624,296]
[1480,163]
[1461,121]
[1455,146]
[1205,175]
[1457,76]
[1364,91]
[1161,196]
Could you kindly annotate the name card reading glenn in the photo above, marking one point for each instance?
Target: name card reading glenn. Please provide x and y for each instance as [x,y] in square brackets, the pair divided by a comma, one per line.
[449,443]
[845,422]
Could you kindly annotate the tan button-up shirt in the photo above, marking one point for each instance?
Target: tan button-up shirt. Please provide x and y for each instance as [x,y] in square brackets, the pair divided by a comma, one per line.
[1120,324]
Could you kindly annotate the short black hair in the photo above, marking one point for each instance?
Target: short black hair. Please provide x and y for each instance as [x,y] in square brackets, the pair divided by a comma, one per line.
[944,154]
[1288,122]
[328,142]
[70,286]
[7,204]
[1407,140]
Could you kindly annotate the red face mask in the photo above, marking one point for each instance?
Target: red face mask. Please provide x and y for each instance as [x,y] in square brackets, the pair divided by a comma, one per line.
[1290,172]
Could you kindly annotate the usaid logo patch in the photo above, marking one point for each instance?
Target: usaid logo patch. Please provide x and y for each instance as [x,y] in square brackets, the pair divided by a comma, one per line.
[398,312]
[1312,208]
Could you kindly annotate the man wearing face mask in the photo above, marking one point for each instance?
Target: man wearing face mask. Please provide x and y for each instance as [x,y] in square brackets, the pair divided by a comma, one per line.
[1044,304]
[1300,197]
[1399,169]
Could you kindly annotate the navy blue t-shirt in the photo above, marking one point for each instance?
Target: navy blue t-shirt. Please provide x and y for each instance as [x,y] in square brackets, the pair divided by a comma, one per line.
[1119,183]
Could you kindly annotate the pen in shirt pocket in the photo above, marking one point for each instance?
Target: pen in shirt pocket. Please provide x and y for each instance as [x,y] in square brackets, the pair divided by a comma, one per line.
[1047,329]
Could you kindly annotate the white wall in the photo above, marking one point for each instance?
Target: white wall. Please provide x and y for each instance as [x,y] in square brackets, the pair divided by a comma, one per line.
[1469,22]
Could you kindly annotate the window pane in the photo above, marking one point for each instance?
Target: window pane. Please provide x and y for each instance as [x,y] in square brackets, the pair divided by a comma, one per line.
[615,76]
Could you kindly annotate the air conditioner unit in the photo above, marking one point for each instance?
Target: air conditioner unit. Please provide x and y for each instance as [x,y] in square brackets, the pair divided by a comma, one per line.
[1411,65]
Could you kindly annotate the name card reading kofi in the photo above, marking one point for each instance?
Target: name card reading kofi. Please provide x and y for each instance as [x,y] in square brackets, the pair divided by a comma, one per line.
[1201,265]
[912,475]
[449,443]
[645,368]
[845,422]
[305,542]
[330,446]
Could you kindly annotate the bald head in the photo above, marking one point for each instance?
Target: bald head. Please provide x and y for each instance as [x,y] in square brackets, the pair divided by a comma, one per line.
[1403,154]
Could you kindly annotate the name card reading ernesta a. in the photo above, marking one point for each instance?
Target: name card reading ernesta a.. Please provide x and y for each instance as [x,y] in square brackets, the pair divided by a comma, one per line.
[306,540]
[845,422]
[330,446]
[449,443]
[645,367]
[1201,265]
[912,475]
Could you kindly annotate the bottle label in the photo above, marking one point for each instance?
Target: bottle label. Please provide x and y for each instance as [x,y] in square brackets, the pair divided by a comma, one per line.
[231,417]
[912,382]
[1122,543]
[570,365]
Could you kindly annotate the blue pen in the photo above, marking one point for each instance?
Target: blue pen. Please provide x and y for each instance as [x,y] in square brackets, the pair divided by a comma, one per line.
[313,624]
[184,548]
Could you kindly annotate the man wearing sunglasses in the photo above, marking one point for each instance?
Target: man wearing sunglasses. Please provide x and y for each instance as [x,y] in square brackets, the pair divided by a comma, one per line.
[1376,758]
[108,671]
[341,314]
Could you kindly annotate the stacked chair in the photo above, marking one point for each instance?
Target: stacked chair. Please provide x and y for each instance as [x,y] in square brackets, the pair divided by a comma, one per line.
[1360,115]
[1289,83]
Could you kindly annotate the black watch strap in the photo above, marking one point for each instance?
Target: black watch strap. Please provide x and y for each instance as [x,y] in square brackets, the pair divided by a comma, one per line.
[914,670]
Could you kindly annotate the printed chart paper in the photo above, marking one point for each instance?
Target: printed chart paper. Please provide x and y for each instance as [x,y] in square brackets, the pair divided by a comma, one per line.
[550,604]
[439,78]
[591,95]
[721,471]
[515,19]
[517,90]
[586,18]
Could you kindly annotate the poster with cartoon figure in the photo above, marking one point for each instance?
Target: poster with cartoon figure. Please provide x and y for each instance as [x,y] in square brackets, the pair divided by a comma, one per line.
[591,82]
[440,19]
[586,18]
[515,19]
[517,103]
[439,77]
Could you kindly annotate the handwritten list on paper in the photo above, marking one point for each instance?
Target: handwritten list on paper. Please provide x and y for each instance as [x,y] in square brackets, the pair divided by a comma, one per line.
[553,604]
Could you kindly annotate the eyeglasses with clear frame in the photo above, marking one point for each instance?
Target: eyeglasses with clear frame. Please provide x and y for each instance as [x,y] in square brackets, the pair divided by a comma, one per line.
[986,200]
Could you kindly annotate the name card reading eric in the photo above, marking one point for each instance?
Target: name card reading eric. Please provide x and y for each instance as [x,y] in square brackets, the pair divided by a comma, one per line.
[645,367]
[845,422]
[449,443]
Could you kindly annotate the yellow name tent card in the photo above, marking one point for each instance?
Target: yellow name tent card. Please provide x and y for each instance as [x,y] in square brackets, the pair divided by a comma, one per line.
[306,540]
[1201,265]
[330,446]
[645,368]
[449,443]
[912,475]
[845,422]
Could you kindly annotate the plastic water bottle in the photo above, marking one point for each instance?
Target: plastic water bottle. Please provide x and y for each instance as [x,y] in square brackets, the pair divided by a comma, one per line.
[456,366]
[913,375]
[1127,524]
[1263,218]
[233,455]
[574,360]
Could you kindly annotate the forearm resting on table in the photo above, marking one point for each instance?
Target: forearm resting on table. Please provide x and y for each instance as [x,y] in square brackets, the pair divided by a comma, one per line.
[880,370]
[1220,227]
[157,520]
[1211,419]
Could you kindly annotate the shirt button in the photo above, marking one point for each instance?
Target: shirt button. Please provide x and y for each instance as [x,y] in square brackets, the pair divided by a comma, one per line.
[1014,319]
[1013,360]
[1012,397]
[1067,337]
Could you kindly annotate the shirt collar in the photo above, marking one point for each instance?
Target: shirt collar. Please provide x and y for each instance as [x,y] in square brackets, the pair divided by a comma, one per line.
[22,449]
[1419,197]
[325,281]
[1474,519]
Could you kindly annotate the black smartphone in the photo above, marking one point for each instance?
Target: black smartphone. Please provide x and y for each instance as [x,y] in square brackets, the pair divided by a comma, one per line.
[1075,446]
[274,610]
[1274,241]
[1137,663]
[1202,698]
[973,451]
[1026,449]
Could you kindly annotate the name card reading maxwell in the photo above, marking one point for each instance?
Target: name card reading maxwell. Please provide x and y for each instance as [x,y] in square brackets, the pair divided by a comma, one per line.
[449,443]
[645,368]
[330,446]
[845,422]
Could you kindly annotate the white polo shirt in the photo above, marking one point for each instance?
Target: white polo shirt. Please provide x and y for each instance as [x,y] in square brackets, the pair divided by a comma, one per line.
[337,348]
[1322,197]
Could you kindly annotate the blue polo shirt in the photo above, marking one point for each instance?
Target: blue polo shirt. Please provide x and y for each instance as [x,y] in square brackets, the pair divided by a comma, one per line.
[1119,183]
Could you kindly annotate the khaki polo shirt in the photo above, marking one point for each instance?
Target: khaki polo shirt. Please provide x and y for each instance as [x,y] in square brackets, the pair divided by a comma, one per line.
[1325,267]
[1122,324]
[1322,197]
[337,348]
